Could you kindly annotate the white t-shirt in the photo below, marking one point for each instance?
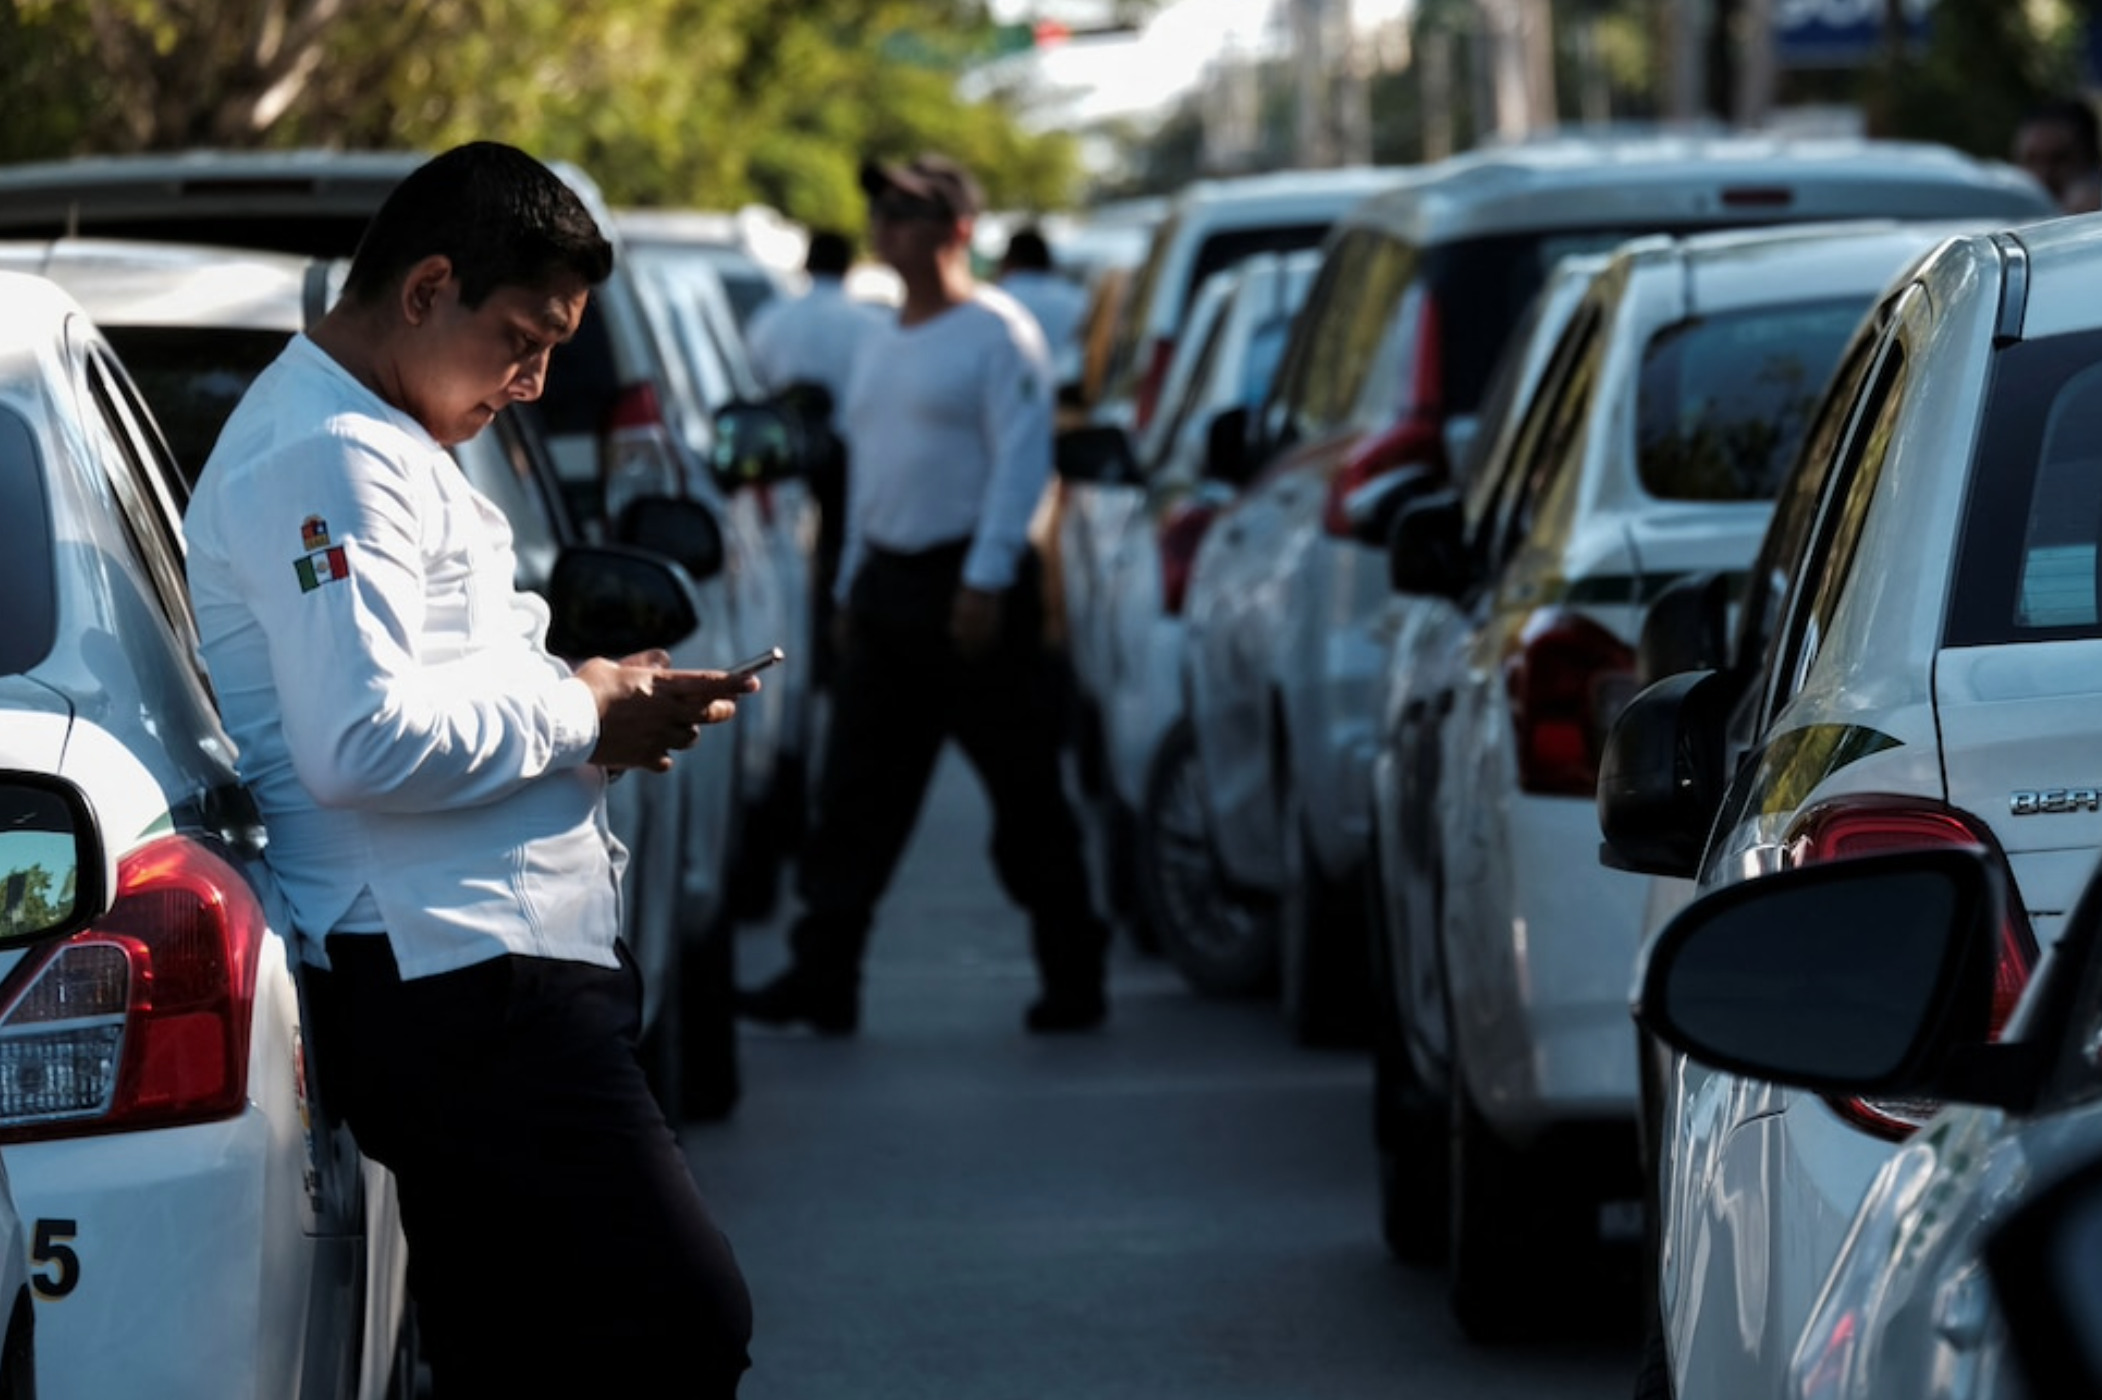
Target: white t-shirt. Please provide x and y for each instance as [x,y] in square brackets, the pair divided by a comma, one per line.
[812,338]
[418,755]
[1059,305]
[948,427]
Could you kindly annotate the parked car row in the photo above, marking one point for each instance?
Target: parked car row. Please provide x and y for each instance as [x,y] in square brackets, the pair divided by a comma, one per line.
[151,1138]
[1793,435]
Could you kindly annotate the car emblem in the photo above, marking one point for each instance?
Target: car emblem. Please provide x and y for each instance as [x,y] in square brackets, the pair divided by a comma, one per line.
[2050,801]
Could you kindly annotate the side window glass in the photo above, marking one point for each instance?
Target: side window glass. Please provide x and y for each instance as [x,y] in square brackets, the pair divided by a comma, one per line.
[1795,508]
[1490,491]
[2057,573]
[1556,444]
[1828,564]
[139,472]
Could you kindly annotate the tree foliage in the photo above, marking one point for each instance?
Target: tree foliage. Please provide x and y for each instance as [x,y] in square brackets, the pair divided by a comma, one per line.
[709,103]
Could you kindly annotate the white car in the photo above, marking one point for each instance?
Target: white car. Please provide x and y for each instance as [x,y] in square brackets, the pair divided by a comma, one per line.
[1209,225]
[1918,664]
[1876,976]
[197,1226]
[1233,338]
[1416,300]
[1664,421]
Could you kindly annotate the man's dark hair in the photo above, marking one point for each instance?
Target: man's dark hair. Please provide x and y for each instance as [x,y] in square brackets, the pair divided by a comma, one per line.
[503,218]
[829,255]
[2075,115]
[1027,250]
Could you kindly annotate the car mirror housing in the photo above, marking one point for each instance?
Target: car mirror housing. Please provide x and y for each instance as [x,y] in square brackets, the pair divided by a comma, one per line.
[1660,775]
[615,600]
[56,875]
[1098,453]
[1425,552]
[1865,976]
[1371,509]
[1229,456]
[758,443]
[1686,628]
[684,531]
[2041,1260]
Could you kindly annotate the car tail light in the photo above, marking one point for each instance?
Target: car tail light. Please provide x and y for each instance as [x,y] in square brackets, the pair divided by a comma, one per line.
[1180,533]
[1864,824]
[636,449]
[1567,678]
[1155,379]
[142,1020]
[1417,440]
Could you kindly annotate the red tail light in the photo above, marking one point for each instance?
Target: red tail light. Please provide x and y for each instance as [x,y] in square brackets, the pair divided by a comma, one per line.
[1155,379]
[1864,824]
[1180,534]
[1417,440]
[143,1020]
[1567,678]
[636,449]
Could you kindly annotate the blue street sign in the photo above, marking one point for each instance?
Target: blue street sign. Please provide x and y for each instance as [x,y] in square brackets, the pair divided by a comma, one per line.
[1839,33]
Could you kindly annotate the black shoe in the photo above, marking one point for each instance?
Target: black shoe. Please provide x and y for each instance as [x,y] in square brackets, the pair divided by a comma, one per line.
[1056,1012]
[796,996]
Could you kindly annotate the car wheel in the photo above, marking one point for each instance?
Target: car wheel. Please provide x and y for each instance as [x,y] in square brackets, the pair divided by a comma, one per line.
[1502,1249]
[1408,1122]
[1321,941]
[1223,944]
[18,1357]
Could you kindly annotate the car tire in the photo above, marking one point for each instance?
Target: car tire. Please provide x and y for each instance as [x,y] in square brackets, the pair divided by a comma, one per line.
[1408,1120]
[1321,944]
[1502,1249]
[1222,943]
[18,1356]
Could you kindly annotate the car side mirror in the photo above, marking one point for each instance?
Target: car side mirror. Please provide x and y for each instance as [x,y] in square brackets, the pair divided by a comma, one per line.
[685,531]
[1660,775]
[56,875]
[1686,628]
[1870,976]
[1097,453]
[756,444]
[614,600]
[1372,508]
[1425,552]
[1229,455]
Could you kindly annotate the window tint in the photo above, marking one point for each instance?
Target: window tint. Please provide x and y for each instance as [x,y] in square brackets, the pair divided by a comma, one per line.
[1551,443]
[1349,318]
[1722,402]
[29,623]
[130,453]
[192,377]
[2029,568]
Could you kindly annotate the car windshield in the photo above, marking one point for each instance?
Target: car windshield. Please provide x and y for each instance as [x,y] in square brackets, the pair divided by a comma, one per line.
[2029,569]
[31,616]
[1724,401]
[191,377]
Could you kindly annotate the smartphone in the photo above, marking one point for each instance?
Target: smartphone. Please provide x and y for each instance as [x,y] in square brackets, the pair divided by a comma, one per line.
[758,663]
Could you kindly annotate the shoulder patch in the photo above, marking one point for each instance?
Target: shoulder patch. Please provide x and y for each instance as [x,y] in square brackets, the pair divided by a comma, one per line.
[322,561]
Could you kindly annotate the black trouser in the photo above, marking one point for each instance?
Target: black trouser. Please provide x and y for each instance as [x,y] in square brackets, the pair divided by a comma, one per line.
[557,1242]
[901,691]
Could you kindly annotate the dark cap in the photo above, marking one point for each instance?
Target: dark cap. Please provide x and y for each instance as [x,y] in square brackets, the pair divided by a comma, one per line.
[932,177]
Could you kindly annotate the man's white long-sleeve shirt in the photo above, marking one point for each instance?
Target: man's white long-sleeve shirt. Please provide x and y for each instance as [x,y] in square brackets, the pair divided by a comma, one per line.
[948,423]
[418,755]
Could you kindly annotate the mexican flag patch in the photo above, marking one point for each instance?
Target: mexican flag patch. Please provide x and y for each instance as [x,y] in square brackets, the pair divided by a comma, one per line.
[322,566]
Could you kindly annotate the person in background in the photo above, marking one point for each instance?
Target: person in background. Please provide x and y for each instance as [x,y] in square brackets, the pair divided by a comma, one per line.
[2059,141]
[433,781]
[803,350]
[1058,302]
[949,422]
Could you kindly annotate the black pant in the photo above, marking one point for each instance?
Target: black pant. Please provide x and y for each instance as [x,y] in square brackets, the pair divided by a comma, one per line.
[557,1242]
[902,691]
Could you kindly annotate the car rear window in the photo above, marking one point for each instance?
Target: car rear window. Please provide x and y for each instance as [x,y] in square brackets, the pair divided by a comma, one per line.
[2029,568]
[1723,401]
[191,377]
[29,623]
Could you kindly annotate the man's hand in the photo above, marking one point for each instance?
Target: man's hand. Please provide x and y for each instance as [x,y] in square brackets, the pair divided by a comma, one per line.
[974,621]
[647,711]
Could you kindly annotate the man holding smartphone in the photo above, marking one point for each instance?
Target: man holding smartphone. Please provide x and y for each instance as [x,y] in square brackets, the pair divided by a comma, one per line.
[948,421]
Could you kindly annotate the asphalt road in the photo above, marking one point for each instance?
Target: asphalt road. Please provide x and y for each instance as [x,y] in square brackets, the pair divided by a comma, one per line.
[1181,1205]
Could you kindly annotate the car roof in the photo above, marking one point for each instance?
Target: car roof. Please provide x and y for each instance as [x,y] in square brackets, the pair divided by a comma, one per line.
[34,306]
[144,283]
[1280,193]
[1688,179]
